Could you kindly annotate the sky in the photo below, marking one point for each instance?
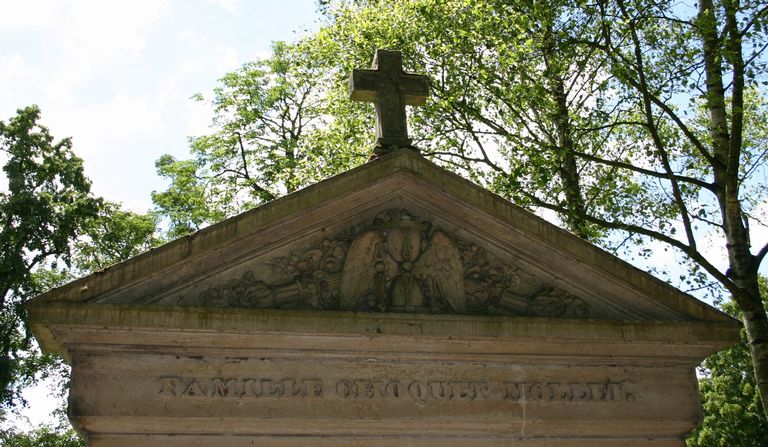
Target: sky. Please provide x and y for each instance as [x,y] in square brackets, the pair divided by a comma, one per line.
[117,76]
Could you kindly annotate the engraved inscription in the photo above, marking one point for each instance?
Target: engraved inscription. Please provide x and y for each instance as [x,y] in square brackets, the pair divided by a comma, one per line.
[243,388]
[417,391]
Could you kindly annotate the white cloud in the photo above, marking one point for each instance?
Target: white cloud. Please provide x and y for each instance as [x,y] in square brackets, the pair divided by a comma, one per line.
[169,91]
[28,14]
[13,68]
[104,31]
[85,36]
[64,80]
[199,116]
[191,66]
[226,60]
[96,127]
[16,76]
[229,5]
[188,35]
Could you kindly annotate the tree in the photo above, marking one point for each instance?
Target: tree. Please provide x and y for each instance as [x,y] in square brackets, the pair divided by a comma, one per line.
[713,56]
[46,206]
[274,131]
[513,100]
[732,413]
[113,236]
[42,437]
[187,203]
[634,121]
[54,231]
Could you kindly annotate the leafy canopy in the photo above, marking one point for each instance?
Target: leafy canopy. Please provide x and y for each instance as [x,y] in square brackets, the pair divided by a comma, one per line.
[275,130]
[47,204]
[732,414]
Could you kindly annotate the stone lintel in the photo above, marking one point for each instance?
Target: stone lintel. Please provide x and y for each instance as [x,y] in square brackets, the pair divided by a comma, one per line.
[59,325]
[118,440]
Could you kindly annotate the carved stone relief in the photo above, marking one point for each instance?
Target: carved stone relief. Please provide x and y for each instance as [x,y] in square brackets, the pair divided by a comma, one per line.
[397,263]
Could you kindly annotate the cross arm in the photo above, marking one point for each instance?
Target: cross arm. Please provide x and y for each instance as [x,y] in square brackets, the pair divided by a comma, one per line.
[364,85]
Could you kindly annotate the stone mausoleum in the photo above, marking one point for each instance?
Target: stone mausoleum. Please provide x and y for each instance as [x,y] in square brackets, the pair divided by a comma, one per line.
[396,304]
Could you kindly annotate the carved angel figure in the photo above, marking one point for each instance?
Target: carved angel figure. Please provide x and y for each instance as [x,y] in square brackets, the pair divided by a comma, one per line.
[402,267]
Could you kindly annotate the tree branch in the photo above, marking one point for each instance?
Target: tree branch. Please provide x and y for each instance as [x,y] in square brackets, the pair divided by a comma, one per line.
[623,226]
[655,100]
[259,189]
[758,15]
[678,198]
[651,173]
[760,256]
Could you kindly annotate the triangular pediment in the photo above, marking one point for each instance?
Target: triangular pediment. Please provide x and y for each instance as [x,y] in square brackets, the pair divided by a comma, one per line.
[396,235]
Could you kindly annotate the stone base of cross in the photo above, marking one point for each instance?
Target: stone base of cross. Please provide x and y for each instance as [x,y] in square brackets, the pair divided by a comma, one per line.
[382,149]
[390,89]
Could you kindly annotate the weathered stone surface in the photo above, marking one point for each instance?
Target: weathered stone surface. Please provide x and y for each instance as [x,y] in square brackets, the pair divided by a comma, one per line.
[299,441]
[374,395]
[396,304]
[390,89]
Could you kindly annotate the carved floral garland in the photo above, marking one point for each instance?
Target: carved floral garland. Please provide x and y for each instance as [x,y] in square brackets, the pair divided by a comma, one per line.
[312,279]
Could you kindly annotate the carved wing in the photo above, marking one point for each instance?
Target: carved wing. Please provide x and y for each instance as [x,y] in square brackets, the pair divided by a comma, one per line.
[357,277]
[440,267]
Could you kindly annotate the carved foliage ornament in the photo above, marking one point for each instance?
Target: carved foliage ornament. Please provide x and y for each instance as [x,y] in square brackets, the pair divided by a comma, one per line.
[397,263]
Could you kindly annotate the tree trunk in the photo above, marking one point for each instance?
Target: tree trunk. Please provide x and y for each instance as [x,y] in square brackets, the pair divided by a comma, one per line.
[727,147]
[753,315]
[567,168]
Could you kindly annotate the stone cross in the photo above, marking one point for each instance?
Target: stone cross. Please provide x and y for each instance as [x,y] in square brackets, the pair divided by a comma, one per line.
[390,89]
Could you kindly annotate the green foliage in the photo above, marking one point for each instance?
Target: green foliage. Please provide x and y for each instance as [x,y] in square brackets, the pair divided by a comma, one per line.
[113,236]
[42,437]
[559,105]
[513,100]
[274,131]
[48,200]
[732,415]
[186,203]
[46,206]
[53,231]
